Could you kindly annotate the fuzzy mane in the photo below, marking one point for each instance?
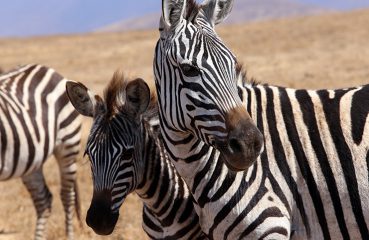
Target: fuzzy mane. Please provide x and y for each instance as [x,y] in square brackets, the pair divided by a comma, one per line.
[242,73]
[114,93]
[192,10]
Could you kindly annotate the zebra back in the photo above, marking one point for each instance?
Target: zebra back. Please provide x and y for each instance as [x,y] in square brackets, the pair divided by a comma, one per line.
[37,120]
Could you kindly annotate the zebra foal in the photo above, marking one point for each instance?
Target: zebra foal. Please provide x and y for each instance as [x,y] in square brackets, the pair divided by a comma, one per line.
[125,152]
[311,180]
[36,121]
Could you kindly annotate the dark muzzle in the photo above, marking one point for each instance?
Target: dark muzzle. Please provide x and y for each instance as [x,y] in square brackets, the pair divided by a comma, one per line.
[99,216]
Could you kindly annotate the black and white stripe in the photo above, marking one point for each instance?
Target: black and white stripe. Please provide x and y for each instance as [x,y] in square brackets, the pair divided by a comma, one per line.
[311,180]
[37,120]
[124,148]
[316,155]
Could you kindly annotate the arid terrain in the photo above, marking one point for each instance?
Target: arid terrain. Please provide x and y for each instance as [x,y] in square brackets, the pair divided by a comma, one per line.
[327,51]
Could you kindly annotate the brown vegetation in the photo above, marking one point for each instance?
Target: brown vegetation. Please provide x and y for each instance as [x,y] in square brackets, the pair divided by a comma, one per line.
[327,51]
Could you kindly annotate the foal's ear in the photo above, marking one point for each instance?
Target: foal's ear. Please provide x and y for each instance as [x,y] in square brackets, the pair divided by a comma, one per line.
[137,97]
[83,100]
[217,11]
[173,11]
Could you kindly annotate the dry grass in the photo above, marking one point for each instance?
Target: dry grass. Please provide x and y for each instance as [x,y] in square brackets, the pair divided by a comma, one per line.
[312,52]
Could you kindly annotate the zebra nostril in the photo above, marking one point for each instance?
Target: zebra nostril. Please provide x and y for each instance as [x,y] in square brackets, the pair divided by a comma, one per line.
[235,146]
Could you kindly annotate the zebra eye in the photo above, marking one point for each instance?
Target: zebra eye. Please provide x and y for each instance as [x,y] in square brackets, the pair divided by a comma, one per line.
[189,70]
[128,153]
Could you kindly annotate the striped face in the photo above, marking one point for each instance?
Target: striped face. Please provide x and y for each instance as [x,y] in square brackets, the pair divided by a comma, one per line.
[196,82]
[113,146]
[110,148]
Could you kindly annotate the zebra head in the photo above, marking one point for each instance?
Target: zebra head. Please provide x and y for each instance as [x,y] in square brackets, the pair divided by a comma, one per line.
[111,145]
[196,78]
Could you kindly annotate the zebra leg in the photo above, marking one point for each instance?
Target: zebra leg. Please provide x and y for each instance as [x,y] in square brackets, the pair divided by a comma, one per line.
[42,198]
[66,157]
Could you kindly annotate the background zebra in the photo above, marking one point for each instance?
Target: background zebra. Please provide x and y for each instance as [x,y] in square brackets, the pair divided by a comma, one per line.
[311,182]
[37,120]
[124,151]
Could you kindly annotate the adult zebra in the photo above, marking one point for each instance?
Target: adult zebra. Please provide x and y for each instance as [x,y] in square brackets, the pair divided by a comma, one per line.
[311,182]
[124,151]
[37,120]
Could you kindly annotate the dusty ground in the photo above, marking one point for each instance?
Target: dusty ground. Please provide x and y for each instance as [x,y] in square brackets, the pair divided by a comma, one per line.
[312,52]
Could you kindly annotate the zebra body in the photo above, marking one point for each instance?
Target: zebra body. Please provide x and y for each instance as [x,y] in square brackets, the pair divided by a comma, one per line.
[37,121]
[126,155]
[311,180]
[316,151]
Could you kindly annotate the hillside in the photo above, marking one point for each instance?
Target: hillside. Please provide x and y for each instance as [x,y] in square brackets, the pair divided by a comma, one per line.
[252,10]
[243,11]
[324,51]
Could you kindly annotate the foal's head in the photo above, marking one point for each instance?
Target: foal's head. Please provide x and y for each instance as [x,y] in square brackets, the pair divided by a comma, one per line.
[113,145]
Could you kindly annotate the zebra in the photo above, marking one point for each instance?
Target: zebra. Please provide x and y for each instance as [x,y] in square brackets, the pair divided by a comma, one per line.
[37,120]
[310,180]
[125,152]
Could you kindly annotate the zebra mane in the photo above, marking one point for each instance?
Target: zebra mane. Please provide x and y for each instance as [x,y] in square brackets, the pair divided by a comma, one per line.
[242,76]
[115,93]
[192,10]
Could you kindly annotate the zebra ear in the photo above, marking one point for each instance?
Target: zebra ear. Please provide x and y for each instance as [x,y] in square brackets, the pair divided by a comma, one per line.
[137,97]
[172,11]
[217,11]
[83,100]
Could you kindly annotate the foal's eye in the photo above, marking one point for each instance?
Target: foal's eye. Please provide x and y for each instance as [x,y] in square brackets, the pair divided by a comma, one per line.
[189,70]
[128,154]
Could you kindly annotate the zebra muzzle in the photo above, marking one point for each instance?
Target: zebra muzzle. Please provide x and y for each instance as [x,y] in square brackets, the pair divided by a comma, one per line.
[243,144]
[99,216]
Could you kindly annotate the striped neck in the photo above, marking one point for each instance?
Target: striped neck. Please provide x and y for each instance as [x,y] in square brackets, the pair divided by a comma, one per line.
[160,185]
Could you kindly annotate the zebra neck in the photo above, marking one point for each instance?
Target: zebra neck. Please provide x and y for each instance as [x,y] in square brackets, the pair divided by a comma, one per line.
[249,98]
[161,184]
[195,161]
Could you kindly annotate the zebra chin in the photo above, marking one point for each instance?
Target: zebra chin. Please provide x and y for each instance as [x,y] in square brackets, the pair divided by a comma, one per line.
[237,162]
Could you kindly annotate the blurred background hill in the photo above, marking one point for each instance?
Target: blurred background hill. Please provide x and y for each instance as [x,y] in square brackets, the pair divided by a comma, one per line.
[243,11]
[325,50]
[39,17]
